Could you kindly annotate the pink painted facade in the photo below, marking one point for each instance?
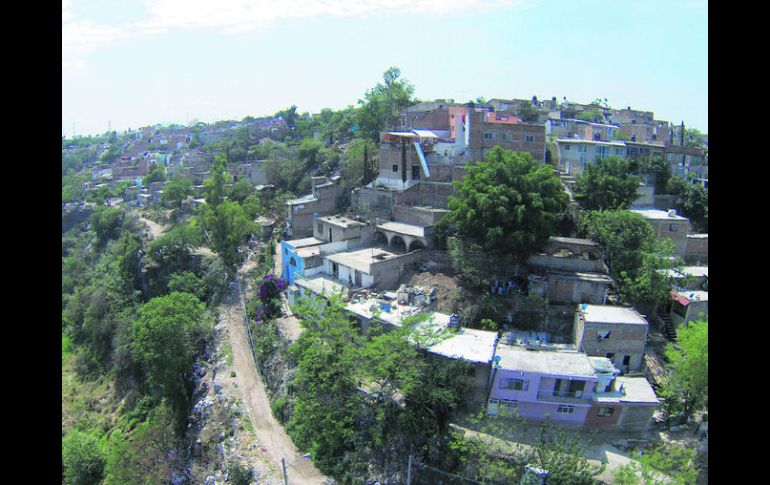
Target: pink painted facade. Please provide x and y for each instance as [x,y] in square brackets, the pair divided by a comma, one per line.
[538,400]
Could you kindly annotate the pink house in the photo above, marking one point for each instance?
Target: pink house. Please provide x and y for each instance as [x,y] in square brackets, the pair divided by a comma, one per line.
[567,387]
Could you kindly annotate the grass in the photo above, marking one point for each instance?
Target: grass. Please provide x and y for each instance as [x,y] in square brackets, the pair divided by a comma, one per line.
[227,349]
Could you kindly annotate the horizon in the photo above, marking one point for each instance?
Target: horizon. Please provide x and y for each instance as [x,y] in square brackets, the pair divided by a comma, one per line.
[139,64]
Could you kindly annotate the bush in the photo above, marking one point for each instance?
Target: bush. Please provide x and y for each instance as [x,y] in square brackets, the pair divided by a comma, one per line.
[83,458]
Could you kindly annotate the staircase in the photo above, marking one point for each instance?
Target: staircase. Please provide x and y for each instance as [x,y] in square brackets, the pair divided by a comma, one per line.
[667,327]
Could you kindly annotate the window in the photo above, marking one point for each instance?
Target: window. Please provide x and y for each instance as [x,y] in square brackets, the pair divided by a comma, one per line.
[605,412]
[673,227]
[415,173]
[563,409]
[489,136]
[514,384]
[508,406]
[610,355]
[626,359]
[566,147]
[529,138]
[395,168]
[505,137]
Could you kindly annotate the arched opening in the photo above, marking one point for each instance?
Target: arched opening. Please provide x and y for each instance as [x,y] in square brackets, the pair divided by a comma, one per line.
[380,239]
[292,261]
[416,244]
[398,244]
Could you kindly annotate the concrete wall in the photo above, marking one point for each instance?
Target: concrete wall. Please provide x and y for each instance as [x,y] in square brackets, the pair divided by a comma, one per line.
[595,421]
[566,263]
[624,340]
[664,230]
[636,417]
[417,216]
[509,136]
[697,249]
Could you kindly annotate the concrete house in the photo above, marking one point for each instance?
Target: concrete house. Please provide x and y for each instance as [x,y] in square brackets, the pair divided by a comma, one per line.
[617,333]
[668,225]
[568,387]
[689,305]
[322,201]
[575,154]
[570,271]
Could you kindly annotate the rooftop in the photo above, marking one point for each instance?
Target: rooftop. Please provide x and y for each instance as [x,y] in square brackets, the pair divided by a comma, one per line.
[468,344]
[611,314]
[362,259]
[544,361]
[658,214]
[321,285]
[301,243]
[596,142]
[341,221]
[689,296]
[635,389]
[401,228]
[302,200]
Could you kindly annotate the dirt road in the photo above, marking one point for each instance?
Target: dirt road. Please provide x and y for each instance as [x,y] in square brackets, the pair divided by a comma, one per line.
[254,396]
[154,228]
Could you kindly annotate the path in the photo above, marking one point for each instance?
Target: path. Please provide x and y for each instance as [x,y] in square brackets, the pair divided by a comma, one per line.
[155,228]
[266,428]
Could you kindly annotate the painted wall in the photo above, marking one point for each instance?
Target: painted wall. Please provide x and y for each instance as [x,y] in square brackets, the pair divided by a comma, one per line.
[529,406]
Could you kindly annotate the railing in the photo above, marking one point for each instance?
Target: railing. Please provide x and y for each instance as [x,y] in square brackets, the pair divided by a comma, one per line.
[563,396]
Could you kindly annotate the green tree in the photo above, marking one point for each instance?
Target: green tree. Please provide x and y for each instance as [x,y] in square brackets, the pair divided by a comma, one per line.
[175,191]
[382,104]
[156,174]
[507,204]
[227,225]
[688,368]
[527,113]
[694,204]
[167,336]
[83,458]
[677,185]
[240,190]
[359,162]
[606,185]
[187,282]
[657,169]
[106,223]
[214,186]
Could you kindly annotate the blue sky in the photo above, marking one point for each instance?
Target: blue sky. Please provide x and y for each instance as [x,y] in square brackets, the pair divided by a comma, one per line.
[134,63]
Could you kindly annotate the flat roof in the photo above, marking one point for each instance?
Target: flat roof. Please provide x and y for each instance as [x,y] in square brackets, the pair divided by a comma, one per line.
[362,259]
[309,251]
[611,314]
[468,344]
[401,228]
[302,200]
[694,295]
[320,284]
[695,270]
[658,214]
[596,142]
[301,243]
[548,362]
[637,390]
[572,240]
[341,221]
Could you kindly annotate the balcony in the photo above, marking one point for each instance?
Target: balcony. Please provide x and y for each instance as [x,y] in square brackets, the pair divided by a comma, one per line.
[574,397]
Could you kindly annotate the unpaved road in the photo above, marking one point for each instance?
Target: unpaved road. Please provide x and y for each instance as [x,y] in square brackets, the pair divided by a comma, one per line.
[254,396]
[155,228]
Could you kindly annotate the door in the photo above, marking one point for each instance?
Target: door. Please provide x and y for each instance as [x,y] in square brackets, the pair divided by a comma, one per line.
[358,279]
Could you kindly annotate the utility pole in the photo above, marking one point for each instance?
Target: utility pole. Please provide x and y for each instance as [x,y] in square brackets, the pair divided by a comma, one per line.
[409,471]
[285,476]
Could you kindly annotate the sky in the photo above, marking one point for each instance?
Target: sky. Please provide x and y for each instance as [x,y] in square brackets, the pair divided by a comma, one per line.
[133,63]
